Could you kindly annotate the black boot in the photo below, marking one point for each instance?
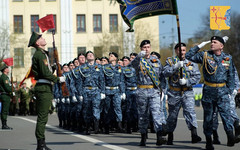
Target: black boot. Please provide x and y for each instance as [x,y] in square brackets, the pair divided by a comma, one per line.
[128,128]
[120,127]
[87,131]
[41,145]
[231,139]
[96,126]
[45,146]
[209,144]
[4,126]
[215,137]
[143,139]
[160,139]
[106,128]
[195,137]
[237,131]
[64,124]
[170,138]
[60,123]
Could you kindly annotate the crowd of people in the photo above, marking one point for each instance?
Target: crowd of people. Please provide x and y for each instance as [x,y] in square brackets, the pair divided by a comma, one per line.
[109,94]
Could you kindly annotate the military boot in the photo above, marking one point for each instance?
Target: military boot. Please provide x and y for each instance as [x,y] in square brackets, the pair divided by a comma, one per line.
[230,138]
[64,124]
[170,138]
[87,131]
[60,123]
[237,131]
[120,129]
[5,126]
[195,137]
[215,137]
[160,139]
[41,145]
[96,126]
[45,146]
[209,144]
[143,139]
[106,128]
[128,128]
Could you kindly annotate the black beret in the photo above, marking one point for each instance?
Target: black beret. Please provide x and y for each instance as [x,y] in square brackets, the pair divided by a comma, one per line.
[218,38]
[70,62]
[104,58]
[34,37]
[177,45]
[144,42]
[88,53]
[81,54]
[64,65]
[97,58]
[115,54]
[125,57]
[134,54]
[75,59]
[156,53]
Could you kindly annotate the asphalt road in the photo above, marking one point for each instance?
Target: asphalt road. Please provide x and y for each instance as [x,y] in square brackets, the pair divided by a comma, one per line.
[22,137]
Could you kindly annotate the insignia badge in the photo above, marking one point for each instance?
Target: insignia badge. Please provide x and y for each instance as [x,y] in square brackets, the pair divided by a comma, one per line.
[45,62]
[97,69]
[190,68]
[156,65]
[220,17]
[6,81]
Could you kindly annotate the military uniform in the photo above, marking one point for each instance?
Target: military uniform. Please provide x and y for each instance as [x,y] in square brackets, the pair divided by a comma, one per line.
[24,101]
[218,74]
[178,98]
[5,92]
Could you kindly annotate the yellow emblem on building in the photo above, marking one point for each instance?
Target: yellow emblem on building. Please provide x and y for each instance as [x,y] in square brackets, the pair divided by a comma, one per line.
[219,17]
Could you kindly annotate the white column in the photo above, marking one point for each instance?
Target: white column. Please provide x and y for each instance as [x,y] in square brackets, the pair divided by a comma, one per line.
[128,40]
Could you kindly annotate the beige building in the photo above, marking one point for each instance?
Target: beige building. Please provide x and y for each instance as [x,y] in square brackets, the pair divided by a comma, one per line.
[81,25]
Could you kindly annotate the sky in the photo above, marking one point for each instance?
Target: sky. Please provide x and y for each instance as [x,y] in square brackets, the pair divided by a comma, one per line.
[190,14]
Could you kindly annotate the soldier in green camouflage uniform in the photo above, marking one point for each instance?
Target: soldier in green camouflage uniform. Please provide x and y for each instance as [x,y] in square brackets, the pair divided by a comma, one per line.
[5,92]
[44,95]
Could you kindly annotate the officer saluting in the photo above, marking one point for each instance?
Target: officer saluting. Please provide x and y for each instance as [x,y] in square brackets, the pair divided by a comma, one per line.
[44,94]
[5,92]
[218,74]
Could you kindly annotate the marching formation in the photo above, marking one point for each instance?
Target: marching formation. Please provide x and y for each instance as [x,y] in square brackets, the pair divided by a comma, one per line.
[109,94]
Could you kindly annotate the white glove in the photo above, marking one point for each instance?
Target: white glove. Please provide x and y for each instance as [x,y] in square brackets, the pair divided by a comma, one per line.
[62,79]
[54,103]
[74,99]
[203,44]
[13,93]
[80,98]
[178,65]
[234,93]
[67,100]
[165,97]
[182,81]
[225,39]
[56,100]
[123,96]
[63,100]
[142,54]
[103,96]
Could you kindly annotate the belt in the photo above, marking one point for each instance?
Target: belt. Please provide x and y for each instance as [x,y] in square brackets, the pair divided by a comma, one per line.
[214,84]
[44,81]
[178,89]
[111,87]
[146,86]
[91,88]
[131,88]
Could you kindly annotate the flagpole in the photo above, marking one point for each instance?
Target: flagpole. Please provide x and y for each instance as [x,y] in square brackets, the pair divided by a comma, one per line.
[180,50]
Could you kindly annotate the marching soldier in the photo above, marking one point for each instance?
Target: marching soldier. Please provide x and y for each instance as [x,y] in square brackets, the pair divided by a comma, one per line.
[25,99]
[132,56]
[44,95]
[149,96]
[180,92]
[5,95]
[104,60]
[218,74]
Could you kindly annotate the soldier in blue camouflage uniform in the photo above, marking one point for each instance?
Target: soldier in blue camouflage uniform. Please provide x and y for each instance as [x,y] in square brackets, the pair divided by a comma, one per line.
[133,56]
[218,74]
[149,95]
[115,91]
[130,79]
[93,87]
[184,97]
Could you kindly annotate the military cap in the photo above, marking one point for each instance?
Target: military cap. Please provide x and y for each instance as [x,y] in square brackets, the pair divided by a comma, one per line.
[125,57]
[88,53]
[134,54]
[34,37]
[177,45]
[104,58]
[144,42]
[218,38]
[70,62]
[3,66]
[75,59]
[156,53]
[115,54]
[97,58]
[81,54]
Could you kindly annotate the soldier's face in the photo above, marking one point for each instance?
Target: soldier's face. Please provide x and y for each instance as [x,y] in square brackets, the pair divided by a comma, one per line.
[184,49]
[120,63]
[81,59]
[98,61]
[90,57]
[41,42]
[126,62]
[76,63]
[104,61]
[112,58]
[132,57]
[147,48]
[216,45]
[65,69]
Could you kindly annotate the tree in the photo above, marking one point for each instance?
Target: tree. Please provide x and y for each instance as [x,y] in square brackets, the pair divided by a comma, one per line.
[4,42]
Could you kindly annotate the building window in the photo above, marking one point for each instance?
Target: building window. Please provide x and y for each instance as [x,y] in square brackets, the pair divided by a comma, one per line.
[98,51]
[114,49]
[50,0]
[18,24]
[18,57]
[81,50]
[51,55]
[97,23]
[33,0]
[17,0]
[34,25]
[113,23]
[81,23]
[55,23]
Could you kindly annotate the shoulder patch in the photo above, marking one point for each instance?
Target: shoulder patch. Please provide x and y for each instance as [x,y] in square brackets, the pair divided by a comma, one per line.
[45,62]
[6,81]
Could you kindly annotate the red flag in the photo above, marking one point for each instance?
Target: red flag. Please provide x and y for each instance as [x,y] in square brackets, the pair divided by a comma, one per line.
[8,61]
[46,23]
[28,75]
